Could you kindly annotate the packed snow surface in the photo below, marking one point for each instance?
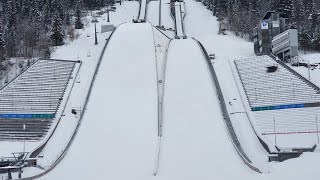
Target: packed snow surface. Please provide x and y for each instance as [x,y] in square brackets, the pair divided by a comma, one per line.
[195,143]
[118,134]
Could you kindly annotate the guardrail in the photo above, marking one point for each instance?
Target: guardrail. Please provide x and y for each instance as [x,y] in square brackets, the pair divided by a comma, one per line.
[81,116]
[315,87]
[227,121]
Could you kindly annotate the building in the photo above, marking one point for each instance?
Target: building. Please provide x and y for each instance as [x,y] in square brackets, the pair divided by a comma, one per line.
[270,26]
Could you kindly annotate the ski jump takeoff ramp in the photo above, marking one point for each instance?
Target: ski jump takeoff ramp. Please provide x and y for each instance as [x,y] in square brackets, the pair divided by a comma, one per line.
[117,138]
[179,14]
[142,16]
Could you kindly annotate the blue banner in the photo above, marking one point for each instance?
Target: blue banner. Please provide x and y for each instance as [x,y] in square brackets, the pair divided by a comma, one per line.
[286,106]
[27,116]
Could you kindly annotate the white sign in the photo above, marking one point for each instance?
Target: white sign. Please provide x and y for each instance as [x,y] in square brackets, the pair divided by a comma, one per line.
[264,25]
[275,23]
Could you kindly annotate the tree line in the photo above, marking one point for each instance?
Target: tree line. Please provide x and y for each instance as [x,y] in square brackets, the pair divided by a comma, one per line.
[242,16]
[28,28]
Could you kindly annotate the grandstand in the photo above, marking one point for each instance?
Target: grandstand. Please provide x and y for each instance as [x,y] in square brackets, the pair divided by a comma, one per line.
[282,104]
[29,103]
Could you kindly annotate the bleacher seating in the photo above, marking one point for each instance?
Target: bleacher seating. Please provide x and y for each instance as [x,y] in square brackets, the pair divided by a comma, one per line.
[38,90]
[281,87]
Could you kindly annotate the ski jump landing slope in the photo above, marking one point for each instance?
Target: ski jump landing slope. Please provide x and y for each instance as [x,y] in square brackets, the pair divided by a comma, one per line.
[195,144]
[118,136]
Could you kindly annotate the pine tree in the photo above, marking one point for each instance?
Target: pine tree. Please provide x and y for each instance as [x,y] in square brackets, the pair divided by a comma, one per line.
[284,7]
[57,36]
[2,45]
[10,28]
[68,19]
[273,4]
[47,15]
[78,23]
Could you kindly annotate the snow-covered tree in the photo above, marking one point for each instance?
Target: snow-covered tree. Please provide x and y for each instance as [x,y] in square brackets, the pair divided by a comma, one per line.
[2,46]
[57,36]
[10,28]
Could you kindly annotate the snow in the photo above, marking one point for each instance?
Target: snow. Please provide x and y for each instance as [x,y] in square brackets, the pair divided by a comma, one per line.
[82,49]
[117,138]
[200,23]
[89,54]
[312,58]
[120,124]
[194,134]
[153,12]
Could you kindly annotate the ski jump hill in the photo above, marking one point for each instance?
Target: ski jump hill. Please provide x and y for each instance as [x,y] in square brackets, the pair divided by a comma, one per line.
[125,92]
[145,121]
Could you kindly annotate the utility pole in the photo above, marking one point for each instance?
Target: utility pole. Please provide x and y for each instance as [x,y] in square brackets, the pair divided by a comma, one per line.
[275,133]
[160,13]
[309,70]
[108,16]
[95,34]
[24,140]
[317,128]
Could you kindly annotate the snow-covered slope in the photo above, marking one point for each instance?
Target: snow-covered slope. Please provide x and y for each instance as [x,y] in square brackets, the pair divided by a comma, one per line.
[117,135]
[200,23]
[195,143]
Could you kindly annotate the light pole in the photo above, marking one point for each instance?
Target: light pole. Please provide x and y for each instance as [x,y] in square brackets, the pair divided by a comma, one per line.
[108,17]
[24,139]
[317,128]
[95,34]
[309,70]
[275,133]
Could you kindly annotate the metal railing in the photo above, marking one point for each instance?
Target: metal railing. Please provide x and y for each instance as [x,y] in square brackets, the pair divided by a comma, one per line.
[227,121]
[315,87]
